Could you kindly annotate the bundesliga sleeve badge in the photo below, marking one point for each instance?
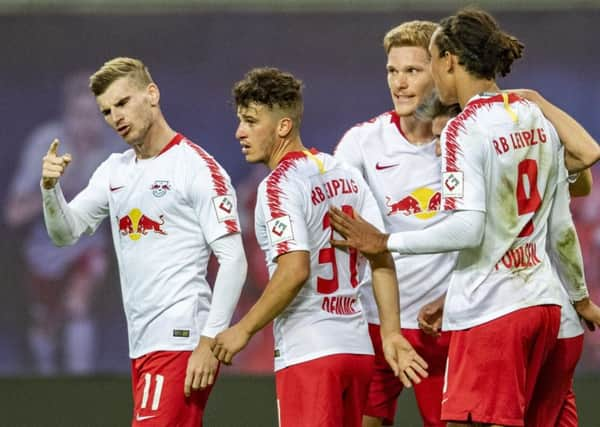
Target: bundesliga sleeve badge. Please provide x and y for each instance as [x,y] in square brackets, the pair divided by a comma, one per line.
[452,184]
[280,230]
[224,207]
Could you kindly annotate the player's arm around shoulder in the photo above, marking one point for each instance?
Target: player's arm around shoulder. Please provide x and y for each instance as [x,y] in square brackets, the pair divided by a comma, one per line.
[581,149]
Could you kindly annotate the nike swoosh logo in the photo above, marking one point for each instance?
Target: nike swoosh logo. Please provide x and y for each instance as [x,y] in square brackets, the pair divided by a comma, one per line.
[382,167]
[115,188]
[146,417]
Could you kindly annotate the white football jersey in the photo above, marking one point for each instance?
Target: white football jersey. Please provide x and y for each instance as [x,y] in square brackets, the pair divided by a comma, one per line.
[326,316]
[163,212]
[406,182]
[501,156]
[570,325]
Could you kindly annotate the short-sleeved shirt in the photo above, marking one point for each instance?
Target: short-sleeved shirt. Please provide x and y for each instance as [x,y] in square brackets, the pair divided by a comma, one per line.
[501,156]
[326,316]
[406,181]
[164,212]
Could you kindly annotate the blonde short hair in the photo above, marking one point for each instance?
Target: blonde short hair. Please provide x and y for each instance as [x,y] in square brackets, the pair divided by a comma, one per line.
[412,33]
[117,68]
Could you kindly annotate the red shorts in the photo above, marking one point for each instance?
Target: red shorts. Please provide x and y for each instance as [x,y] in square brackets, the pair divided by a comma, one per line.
[568,413]
[493,367]
[158,400]
[554,388]
[330,391]
[385,387]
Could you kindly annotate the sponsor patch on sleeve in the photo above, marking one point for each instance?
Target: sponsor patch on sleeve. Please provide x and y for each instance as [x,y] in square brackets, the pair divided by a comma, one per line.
[280,230]
[452,184]
[224,207]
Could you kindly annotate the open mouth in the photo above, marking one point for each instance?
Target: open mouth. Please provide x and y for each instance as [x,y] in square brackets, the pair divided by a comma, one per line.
[123,130]
[404,98]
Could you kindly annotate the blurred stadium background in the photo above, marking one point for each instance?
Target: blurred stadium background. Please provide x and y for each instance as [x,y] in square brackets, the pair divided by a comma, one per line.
[195,50]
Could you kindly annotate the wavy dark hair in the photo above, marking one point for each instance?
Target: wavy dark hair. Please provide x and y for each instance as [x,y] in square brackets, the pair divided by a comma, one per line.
[271,87]
[481,46]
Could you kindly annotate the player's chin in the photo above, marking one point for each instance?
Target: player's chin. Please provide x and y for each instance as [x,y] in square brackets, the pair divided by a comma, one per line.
[253,158]
[405,109]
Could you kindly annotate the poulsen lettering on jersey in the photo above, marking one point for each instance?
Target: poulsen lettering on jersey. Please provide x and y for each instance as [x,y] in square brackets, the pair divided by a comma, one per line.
[519,258]
[518,140]
[224,207]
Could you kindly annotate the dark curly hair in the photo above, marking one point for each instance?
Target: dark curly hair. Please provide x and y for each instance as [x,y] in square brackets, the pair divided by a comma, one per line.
[271,87]
[481,46]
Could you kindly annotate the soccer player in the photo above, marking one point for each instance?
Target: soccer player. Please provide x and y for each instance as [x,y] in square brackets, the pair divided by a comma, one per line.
[323,355]
[61,292]
[169,204]
[501,165]
[396,154]
[553,400]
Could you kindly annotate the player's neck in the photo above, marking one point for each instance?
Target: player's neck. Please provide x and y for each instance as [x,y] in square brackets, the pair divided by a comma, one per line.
[469,86]
[416,131]
[285,146]
[158,136]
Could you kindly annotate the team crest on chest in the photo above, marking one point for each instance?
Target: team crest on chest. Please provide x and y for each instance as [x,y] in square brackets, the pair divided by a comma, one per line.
[160,188]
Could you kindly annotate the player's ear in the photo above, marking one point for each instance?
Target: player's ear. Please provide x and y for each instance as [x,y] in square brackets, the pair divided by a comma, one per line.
[154,94]
[450,61]
[284,127]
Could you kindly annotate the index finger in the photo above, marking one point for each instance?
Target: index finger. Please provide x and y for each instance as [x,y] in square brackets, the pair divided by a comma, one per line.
[54,147]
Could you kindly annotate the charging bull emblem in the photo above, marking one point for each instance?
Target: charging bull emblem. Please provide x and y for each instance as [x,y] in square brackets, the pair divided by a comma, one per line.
[423,203]
[135,224]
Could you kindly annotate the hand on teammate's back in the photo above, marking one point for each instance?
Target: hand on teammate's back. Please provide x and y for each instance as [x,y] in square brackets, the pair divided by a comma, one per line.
[53,165]
[359,233]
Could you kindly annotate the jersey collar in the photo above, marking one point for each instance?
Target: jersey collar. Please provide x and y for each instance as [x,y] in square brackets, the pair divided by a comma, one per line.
[295,155]
[173,142]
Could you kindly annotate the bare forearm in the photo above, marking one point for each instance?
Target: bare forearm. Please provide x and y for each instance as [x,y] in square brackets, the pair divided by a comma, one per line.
[581,149]
[385,289]
[279,293]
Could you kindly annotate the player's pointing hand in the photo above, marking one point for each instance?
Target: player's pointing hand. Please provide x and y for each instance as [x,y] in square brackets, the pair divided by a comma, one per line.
[53,165]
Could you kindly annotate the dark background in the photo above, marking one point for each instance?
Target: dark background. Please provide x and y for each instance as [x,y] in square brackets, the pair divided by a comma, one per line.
[195,58]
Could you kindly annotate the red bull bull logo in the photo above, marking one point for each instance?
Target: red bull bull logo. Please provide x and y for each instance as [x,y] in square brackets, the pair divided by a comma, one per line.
[423,203]
[135,224]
